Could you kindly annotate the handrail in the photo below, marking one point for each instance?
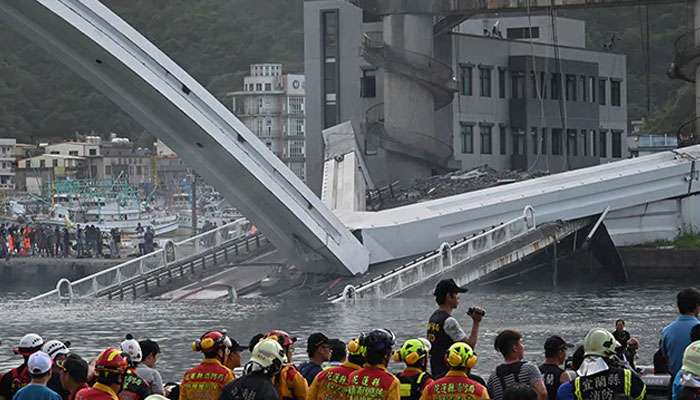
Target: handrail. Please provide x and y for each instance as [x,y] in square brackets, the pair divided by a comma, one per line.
[448,255]
[240,225]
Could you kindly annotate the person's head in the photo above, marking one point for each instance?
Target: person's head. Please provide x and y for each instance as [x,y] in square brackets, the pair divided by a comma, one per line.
[28,345]
[338,352]
[213,345]
[285,340]
[447,293]
[378,346]
[510,344]
[620,325]
[39,366]
[150,352]
[233,359]
[600,342]
[73,371]
[519,392]
[318,347]
[461,357]
[356,352]
[57,350]
[132,348]
[110,368]
[267,357]
[555,349]
[688,301]
[254,340]
[414,353]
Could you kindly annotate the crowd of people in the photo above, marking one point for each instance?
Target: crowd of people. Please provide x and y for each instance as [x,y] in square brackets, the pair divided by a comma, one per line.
[438,367]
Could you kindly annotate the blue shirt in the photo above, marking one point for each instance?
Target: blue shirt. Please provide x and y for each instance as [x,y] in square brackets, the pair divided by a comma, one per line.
[677,387]
[309,370]
[676,337]
[565,391]
[34,391]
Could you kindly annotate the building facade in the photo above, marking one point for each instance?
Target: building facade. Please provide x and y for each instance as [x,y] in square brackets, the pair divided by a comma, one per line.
[7,164]
[272,105]
[500,92]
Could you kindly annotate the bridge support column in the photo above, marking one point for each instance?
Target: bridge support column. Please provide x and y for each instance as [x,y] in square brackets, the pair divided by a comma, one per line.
[555,263]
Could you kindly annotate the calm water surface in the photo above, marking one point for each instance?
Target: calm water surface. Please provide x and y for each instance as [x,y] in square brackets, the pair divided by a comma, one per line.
[537,312]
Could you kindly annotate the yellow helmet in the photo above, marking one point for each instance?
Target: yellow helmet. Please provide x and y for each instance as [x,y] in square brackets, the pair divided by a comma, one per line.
[691,359]
[600,342]
[355,348]
[412,351]
[461,355]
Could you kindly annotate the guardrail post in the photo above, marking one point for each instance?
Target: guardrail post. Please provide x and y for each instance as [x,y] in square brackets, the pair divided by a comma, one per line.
[257,241]
[141,267]
[118,276]
[529,215]
[95,286]
[445,255]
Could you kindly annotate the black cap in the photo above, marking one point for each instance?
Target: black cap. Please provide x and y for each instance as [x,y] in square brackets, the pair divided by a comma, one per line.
[555,343]
[235,346]
[446,286]
[315,340]
[76,367]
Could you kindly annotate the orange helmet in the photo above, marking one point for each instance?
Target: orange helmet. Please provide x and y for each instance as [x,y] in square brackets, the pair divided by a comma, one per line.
[283,338]
[111,361]
[210,341]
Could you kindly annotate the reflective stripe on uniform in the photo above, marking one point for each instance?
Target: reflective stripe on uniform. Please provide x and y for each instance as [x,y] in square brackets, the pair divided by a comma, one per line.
[628,382]
[577,388]
[405,389]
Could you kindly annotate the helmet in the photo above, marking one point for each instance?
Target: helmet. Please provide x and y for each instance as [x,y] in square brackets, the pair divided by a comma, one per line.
[355,346]
[55,348]
[269,355]
[210,341]
[110,361]
[156,397]
[461,355]
[132,348]
[599,342]
[30,343]
[282,337]
[412,351]
[691,359]
[378,343]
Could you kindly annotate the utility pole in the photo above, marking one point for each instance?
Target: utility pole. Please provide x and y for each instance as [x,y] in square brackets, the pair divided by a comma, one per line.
[193,200]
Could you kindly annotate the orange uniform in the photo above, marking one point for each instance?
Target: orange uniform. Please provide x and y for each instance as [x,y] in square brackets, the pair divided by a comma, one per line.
[290,384]
[373,383]
[332,383]
[453,386]
[205,381]
[97,392]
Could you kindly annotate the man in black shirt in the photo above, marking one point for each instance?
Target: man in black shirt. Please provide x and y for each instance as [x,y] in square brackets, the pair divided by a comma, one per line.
[552,373]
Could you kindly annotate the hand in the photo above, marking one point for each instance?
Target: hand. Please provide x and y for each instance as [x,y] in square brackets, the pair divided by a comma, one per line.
[478,314]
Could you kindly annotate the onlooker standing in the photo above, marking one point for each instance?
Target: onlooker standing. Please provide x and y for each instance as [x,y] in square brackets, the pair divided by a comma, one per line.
[74,374]
[39,365]
[150,352]
[443,328]
[319,350]
[620,334]
[514,371]
[552,373]
[675,337]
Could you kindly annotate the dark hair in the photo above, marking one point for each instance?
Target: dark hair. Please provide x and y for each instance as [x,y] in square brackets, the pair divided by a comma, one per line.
[254,340]
[688,299]
[440,298]
[549,353]
[149,347]
[620,320]
[519,392]
[577,358]
[39,376]
[339,354]
[506,340]
[695,333]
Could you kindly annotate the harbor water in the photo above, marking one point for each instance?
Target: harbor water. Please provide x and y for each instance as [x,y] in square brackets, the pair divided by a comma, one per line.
[537,312]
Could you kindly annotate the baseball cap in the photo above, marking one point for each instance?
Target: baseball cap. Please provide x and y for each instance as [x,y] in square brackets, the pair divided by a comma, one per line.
[555,343]
[76,367]
[315,340]
[39,363]
[448,286]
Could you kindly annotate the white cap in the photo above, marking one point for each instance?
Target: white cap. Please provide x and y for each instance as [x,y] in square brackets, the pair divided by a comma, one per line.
[39,363]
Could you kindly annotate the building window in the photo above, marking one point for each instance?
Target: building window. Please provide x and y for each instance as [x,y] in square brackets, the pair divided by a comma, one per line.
[467,138]
[556,142]
[523,33]
[518,137]
[54,163]
[592,86]
[139,170]
[258,87]
[617,144]
[615,97]
[603,135]
[108,170]
[518,84]
[584,141]
[42,163]
[93,152]
[268,87]
[556,87]
[296,105]
[543,141]
[73,153]
[329,23]
[571,142]
[502,138]
[502,83]
[368,83]
[602,92]
[370,17]
[571,87]
[584,89]
[485,81]
[594,144]
[466,78]
[534,137]
[486,139]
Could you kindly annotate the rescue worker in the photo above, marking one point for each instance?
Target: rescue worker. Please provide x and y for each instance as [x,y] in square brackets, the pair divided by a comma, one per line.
[73,374]
[135,387]
[456,384]
[414,353]
[443,328]
[677,386]
[19,377]
[206,380]
[332,383]
[373,381]
[110,367]
[266,361]
[689,388]
[289,382]
[233,360]
[600,376]
[58,351]
[552,373]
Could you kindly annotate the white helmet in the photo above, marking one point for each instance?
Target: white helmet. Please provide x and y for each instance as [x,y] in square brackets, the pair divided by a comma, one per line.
[55,348]
[269,355]
[131,347]
[29,344]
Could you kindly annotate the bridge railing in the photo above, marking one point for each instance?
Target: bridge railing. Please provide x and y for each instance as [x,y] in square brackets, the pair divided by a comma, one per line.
[446,257]
[170,253]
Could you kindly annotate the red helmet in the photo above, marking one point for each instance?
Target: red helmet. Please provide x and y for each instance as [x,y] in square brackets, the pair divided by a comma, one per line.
[210,341]
[111,361]
[282,337]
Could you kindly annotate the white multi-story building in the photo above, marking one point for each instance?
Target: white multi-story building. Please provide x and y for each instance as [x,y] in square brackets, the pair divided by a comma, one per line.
[90,147]
[7,164]
[272,105]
